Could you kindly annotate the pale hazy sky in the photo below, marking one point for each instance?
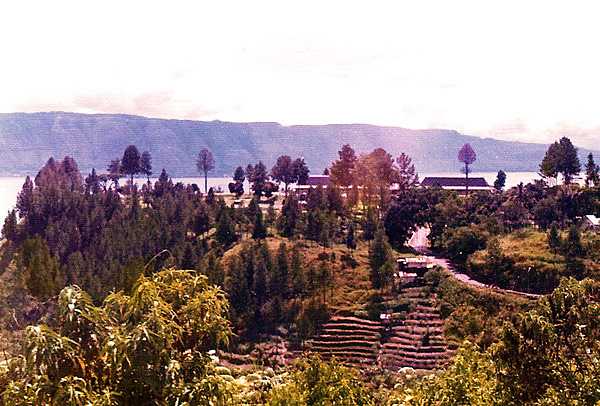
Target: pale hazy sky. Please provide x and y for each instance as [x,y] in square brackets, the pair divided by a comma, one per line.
[526,70]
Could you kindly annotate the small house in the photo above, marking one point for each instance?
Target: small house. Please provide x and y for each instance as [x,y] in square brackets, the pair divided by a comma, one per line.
[457,184]
[591,223]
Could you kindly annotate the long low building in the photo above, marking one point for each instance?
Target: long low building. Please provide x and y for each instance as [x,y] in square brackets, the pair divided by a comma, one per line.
[458,184]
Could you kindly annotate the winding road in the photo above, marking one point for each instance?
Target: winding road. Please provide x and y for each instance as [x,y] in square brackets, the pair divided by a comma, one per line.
[420,243]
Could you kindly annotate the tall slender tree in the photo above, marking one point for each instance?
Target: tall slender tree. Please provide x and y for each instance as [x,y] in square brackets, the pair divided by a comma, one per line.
[467,156]
[342,170]
[205,163]
[146,164]
[592,172]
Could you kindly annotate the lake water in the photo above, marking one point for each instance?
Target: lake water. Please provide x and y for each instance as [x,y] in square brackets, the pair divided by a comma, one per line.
[10,186]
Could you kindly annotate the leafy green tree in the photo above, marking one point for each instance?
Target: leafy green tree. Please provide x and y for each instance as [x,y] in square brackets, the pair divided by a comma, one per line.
[592,172]
[205,162]
[149,347]
[461,242]
[500,181]
[131,162]
[561,158]
[318,383]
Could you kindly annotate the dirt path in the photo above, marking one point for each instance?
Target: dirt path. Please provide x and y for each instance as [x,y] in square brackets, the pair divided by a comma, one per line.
[419,242]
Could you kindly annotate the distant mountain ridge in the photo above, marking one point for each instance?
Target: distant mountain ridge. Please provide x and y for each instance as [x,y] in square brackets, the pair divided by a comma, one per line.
[27,140]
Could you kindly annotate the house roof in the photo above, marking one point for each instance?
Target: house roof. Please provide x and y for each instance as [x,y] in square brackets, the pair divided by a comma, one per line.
[454,182]
[316,180]
[595,221]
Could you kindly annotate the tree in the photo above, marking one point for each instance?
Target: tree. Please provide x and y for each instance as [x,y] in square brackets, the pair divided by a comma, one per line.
[342,170]
[9,229]
[554,240]
[225,233]
[146,164]
[257,175]
[278,285]
[297,281]
[283,171]
[467,156]
[43,276]
[25,198]
[205,163]
[301,171]
[259,231]
[407,175]
[350,238]
[592,172]
[289,216]
[561,158]
[239,175]
[569,164]
[500,181]
[131,162]
[379,256]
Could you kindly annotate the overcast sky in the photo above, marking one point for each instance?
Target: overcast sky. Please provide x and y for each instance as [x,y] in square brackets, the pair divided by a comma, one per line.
[504,69]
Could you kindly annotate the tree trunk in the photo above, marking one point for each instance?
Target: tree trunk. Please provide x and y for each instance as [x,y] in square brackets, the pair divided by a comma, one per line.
[467,179]
[205,182]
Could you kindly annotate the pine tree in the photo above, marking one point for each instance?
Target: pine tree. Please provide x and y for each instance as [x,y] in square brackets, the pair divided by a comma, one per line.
[500,181]
[592,172]
[259,231]
[9,229]
[189,258]
[379,255]
[572,246]
[289,217]
[237,287]
[350,238]
[225,233]
[278,285]
[370,224]
[297,275]
[260,281]
[43,276]
[554,240]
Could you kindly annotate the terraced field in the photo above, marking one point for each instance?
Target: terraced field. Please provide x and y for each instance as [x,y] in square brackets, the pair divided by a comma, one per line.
[411,336]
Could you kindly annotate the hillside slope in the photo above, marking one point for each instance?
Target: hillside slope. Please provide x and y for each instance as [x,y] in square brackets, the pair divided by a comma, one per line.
[28,139]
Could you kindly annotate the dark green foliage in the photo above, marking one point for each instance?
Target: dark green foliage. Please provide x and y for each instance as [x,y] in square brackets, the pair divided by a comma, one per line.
[350,237]
[131,162]
[25,198]
[554,240]
[592,172]
[342,170]
[289,217]
[257,175]
[461,242]
[301,171]
[10,227]
[401,219]
[225,233]
[561,158]
[42,274]
[259,230]
[500,181]
[146,164]
[297,281]
[370,224]
[380,261]
[279,281]
[239,175]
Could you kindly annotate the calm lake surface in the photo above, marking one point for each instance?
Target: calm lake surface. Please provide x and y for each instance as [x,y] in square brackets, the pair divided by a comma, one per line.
[10,186]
